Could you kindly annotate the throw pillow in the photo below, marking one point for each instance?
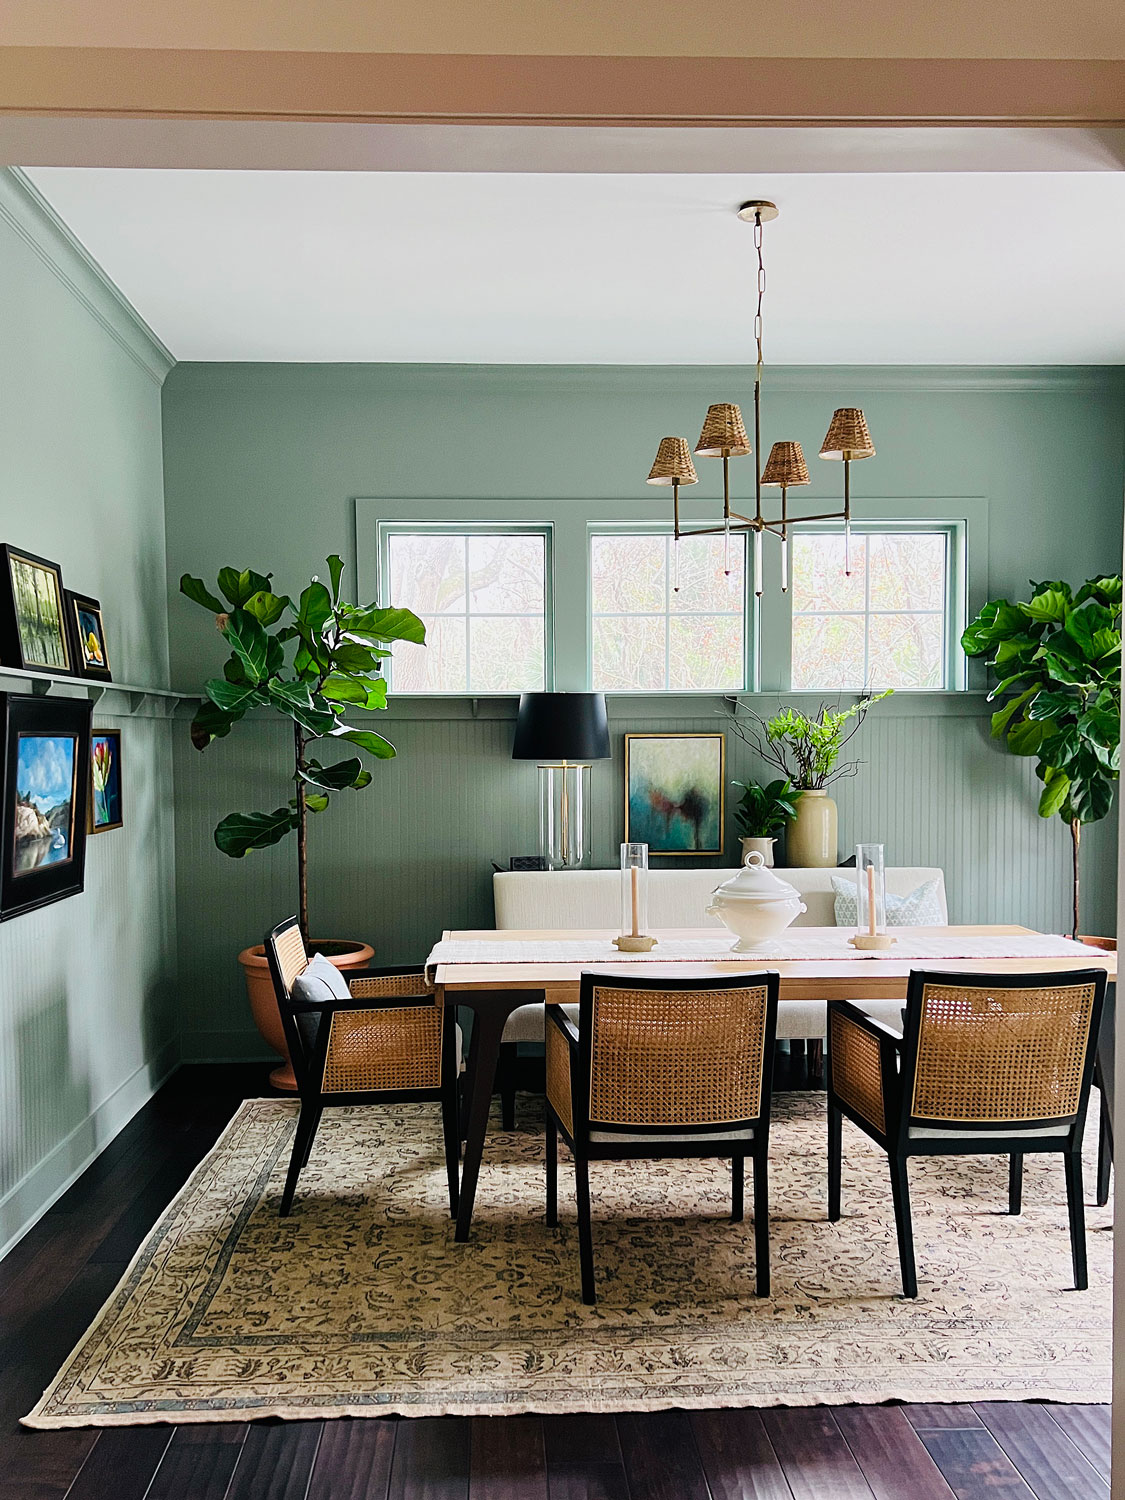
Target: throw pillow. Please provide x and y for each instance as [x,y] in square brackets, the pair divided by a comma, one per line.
[921,908]
[321,981]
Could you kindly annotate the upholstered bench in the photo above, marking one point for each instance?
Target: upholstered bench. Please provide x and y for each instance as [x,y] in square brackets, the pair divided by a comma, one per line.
[585,899]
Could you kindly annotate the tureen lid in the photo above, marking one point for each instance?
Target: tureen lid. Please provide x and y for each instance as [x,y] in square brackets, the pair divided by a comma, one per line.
[754,882]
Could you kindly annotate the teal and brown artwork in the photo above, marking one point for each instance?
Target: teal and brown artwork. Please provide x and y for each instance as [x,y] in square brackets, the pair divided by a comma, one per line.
[674,792]
[43,828]
[105,780]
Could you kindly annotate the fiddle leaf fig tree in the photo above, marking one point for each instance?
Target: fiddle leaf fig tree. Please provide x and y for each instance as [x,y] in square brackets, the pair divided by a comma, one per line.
[1058,657]
[311,661]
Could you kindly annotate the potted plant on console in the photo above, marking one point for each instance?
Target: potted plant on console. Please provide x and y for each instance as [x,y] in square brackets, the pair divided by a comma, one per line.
[806,750]
[762,812]
[308,661]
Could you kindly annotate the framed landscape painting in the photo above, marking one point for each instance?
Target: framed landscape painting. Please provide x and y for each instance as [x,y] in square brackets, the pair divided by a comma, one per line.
[43,822]
[87,636]
[33,632]
[105,780]
[674,787]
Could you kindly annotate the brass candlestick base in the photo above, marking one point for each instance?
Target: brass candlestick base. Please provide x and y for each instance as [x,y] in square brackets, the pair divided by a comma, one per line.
[634,943]
[871,940]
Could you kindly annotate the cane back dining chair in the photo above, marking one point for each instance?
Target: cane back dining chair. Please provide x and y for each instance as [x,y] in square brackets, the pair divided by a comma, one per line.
[663,1068]
[388,1042]
[987,1064]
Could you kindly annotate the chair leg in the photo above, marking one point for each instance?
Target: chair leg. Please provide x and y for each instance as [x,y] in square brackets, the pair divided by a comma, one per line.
[451,1133]
[737,1188]
[1105,1153]
[761,1225]
[1015,1182]
[552,1142]
[1077,1215]
[506,1085]
[816,1062]
[900,1192]
[585,1236]
[314,1126]
[835,1155]
[302,1145]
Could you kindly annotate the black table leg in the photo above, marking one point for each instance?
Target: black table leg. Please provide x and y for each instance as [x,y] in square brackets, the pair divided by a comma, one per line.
[491,1009]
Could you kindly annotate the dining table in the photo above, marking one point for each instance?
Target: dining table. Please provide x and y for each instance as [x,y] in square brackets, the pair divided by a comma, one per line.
[494,972]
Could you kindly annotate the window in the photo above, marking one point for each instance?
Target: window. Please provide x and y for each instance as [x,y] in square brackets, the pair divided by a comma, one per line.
[483,594]
[887,625]
[664,616]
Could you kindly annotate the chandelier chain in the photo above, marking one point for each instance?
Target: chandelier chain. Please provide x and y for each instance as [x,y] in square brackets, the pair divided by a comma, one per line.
[761,295]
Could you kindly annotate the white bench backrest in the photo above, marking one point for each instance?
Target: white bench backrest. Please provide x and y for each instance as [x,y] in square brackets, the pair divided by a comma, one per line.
[583,899]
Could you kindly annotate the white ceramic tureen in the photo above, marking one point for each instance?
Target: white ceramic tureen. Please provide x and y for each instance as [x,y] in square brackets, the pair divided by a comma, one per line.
[755,904]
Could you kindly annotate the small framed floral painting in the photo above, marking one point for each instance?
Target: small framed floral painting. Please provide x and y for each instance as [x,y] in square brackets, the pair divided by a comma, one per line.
[105,811]
[87,636]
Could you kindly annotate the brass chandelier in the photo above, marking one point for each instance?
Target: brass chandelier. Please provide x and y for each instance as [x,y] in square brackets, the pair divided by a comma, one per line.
[724,436]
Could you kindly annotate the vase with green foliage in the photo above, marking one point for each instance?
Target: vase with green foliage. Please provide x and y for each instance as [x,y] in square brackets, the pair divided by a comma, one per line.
[806,749]
[311,661]
[762,812]
[1058,657]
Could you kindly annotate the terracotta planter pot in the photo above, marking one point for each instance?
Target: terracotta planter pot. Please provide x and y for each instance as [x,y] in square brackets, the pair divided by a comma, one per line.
[810,840]
[263,1002]
[1107,945]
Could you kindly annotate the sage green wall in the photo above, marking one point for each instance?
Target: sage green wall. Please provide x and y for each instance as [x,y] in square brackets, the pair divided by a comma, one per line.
[263,465]
[88,1020]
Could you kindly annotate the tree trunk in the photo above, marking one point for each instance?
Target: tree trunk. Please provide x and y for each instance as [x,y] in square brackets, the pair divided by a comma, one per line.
[1076,838]
[302,836]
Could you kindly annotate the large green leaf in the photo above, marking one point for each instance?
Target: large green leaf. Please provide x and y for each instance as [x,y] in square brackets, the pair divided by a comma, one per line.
[374,744]
[386,625]
[344,774]
[353,658]
[335,570]
[1102,725]
[1106,588]
[1055,789]
[1025,738]
[1091,798]
[267,608]
[238,833]
[1083,623]
[1050,604]
[364,692]
[249,643]
[315,608]
[316,801]
[197,590]
[238,587]
[996,620]
[1048,705]
[211,723]
[311,712]
[1003,716]
[232,697]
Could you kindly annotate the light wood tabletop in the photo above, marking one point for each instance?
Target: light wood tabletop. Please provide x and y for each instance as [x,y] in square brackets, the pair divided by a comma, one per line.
[858,978]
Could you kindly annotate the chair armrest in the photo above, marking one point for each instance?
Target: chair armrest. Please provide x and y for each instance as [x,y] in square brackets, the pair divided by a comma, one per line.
[559,1017]
[863,1061]
[361,1002]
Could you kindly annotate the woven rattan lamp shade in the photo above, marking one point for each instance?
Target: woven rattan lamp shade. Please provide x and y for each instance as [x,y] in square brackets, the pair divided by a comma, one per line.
[847,435]
[786,465]
[672,464]
[723,432]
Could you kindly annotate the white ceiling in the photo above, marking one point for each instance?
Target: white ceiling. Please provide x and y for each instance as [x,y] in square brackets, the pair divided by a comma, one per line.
[876,268]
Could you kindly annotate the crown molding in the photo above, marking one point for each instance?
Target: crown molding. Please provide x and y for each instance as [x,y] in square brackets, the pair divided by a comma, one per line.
[33,219]
[818,379]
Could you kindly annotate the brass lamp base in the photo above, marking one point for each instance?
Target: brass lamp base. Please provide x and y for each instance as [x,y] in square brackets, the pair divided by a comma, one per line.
[871,940]
[634,943]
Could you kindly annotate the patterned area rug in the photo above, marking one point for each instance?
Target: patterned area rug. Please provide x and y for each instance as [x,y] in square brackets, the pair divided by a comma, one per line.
[361,1303]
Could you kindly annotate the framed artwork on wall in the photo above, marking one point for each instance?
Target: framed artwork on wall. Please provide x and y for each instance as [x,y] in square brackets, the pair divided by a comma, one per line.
[87,636]
[43,819]
[674,789]
[33,633]
[105,807]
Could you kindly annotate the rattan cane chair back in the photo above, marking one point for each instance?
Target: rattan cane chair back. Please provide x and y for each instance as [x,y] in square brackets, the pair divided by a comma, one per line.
[687,1057]
[289,950]
[989,1054]
[856,1069]
[371,1051]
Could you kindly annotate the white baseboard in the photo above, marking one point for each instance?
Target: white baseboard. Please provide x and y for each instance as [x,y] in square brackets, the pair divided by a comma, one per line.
[26,1203]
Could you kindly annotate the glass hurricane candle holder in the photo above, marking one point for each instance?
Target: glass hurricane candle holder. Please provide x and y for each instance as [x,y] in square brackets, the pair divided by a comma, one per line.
[634,900]
[871,898]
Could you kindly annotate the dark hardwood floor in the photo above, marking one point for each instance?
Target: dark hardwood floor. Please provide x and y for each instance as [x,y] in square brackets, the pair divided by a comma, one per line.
[53,1282]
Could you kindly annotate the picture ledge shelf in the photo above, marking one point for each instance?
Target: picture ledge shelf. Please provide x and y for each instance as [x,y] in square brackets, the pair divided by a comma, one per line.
[41,683]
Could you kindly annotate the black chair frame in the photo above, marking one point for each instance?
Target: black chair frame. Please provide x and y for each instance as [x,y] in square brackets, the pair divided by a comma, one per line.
[898,1055]
[585,1150]
[309,1064]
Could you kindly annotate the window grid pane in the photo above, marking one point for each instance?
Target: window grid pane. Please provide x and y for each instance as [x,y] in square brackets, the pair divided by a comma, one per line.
[482,597]
[662,622]
[885,626]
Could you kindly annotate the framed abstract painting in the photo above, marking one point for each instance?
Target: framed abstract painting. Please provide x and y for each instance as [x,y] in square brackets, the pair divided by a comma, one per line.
[105,808]
[87,637]
[43,819]
[674,788]
[33,633]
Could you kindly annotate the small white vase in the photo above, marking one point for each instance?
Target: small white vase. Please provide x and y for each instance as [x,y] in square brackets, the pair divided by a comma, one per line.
[762,845]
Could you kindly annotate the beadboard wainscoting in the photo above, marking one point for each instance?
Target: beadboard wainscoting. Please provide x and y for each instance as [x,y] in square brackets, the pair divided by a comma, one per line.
[395,864]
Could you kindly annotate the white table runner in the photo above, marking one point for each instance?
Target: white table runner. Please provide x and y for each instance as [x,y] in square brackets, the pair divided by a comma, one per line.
[800,943]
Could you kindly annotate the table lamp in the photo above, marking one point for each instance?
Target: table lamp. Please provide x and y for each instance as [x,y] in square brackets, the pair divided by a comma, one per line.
[565,733]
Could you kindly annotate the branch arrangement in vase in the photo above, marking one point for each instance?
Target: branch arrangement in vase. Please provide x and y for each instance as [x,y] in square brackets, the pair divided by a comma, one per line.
[337,654]
[805,748]
[1058,657]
